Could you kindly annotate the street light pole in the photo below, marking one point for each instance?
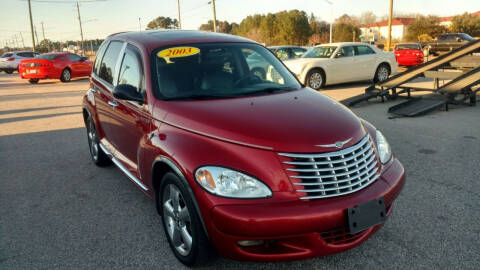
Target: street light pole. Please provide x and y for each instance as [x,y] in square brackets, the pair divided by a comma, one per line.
[179,18]
[43,34]
[331,18]
[31,24]
[140,23]
[389,37]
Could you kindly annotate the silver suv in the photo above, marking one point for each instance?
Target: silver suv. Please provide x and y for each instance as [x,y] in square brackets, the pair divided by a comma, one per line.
[9,61]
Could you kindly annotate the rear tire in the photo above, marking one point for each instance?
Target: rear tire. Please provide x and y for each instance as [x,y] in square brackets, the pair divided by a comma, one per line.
[182,224]
[66,75]
[9,71]
[98,156]
[33,81]
[315,79]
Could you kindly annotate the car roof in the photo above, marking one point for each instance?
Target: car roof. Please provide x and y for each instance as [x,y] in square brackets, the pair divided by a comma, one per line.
[342,44]
[285,46]
[152,39]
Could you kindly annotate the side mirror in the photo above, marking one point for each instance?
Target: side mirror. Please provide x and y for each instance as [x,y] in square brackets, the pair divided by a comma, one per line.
[128,92]
[82,59]
[339,54]
[458,39]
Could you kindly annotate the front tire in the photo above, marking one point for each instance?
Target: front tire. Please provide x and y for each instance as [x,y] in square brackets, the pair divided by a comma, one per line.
[316,79]
[182,224]
[9,71]
[66,75]
[98,156]
[382,73]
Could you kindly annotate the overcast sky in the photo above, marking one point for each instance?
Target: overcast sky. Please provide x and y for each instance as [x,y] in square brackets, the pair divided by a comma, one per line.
[105,17]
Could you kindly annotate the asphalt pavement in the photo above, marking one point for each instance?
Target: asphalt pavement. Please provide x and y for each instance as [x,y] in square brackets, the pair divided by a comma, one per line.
[59,211]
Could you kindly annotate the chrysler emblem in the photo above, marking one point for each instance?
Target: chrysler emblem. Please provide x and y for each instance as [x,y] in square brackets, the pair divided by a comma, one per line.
[338,145]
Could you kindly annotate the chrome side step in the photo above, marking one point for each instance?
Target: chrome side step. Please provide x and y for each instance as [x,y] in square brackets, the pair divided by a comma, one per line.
[122,168]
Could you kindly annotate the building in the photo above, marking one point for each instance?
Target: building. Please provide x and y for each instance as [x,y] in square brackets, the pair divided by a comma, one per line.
[378,32]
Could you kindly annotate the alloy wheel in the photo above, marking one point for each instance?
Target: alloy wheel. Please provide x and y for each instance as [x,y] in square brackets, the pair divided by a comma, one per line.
[177,219]
[92,140]
[382,73]
[316,80]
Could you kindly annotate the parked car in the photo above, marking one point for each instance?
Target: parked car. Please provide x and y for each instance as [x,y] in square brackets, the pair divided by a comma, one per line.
[342,62]
[9,61]
[256,169]
[447,42]
[408,54]
[288,52]
[260,67]
[60,65]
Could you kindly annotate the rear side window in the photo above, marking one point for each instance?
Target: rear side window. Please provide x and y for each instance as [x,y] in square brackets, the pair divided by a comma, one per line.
[107,67]
[47,56]
[364,50]
[131,69]
[5,55]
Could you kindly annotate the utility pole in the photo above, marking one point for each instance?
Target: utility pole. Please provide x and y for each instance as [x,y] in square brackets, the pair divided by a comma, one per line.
[81,31]
[31,24]
[389,37]
[179,18]
[140,23]
[36,34]
[214,16]
[23,42]
[43,33]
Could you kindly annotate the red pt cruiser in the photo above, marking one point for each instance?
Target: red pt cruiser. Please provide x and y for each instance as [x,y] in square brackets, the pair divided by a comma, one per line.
[254,169]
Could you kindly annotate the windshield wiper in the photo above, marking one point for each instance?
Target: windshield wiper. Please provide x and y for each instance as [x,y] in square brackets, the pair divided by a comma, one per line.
[200,97]
[268,90]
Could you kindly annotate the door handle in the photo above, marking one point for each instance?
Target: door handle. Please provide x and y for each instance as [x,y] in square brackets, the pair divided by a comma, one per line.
[113,104]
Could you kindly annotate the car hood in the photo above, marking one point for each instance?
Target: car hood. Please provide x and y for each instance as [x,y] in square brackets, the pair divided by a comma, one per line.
[296,65]
[295,121]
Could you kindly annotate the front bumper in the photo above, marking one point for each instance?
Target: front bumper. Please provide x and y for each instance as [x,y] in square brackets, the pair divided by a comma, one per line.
[298,229]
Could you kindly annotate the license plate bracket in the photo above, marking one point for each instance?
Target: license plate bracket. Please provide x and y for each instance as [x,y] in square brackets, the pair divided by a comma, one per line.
[366,215]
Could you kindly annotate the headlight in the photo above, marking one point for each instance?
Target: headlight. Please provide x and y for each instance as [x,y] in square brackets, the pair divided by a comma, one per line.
[230,183]
[383,148]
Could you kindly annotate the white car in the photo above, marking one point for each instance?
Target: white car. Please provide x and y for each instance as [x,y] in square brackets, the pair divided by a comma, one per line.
[9,61]
[342,62]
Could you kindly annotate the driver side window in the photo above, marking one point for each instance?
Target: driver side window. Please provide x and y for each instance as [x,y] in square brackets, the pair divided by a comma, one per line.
[347,51]
[131,70]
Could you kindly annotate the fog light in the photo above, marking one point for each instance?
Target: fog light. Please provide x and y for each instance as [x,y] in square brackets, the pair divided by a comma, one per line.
[250,243]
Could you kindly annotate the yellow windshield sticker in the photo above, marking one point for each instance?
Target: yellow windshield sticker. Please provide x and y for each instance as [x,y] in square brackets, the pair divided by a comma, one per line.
[178,52]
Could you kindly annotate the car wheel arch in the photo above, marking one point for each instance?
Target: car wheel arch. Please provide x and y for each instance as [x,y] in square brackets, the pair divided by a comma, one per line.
[386,64]
[162,165]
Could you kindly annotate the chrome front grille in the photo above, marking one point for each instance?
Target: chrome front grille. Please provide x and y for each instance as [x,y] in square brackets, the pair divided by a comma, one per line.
[335,173]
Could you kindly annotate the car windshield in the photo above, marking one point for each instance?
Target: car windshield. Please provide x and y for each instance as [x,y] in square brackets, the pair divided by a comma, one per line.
[218,70]
[320,52]
[5,55]
[46,56]
[407,47]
